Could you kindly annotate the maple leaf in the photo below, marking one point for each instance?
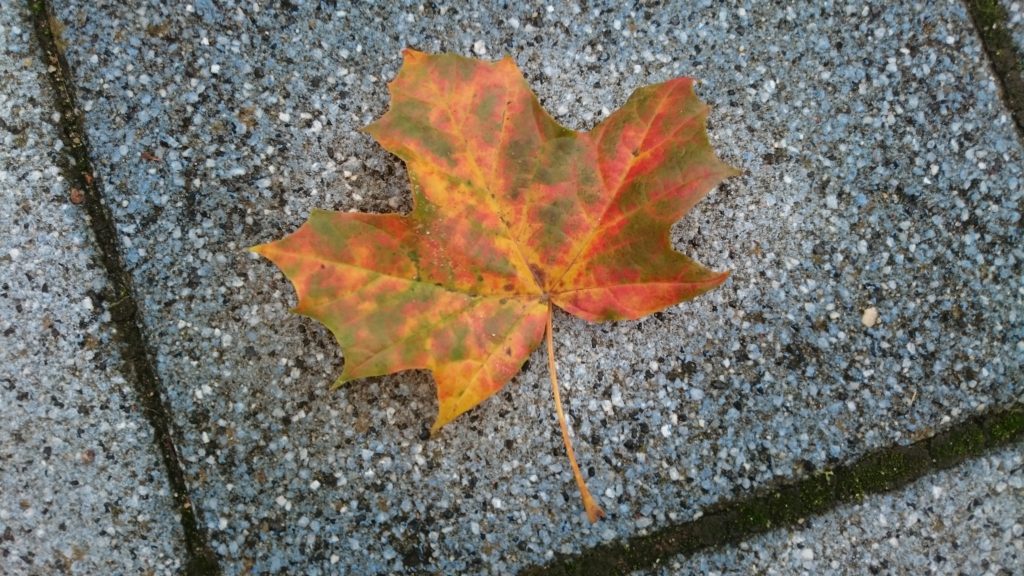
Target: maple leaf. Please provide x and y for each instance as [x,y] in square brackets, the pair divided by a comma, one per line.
[512,213]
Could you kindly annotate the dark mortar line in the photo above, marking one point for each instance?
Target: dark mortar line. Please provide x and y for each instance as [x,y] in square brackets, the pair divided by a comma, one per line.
[789,504]
[124,311]
[1007,60]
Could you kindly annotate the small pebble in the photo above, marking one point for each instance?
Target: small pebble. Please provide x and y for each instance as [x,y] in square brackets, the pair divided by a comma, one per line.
[870,317]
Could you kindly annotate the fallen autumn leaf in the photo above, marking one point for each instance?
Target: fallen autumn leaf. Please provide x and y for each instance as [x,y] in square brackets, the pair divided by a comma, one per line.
[512,214]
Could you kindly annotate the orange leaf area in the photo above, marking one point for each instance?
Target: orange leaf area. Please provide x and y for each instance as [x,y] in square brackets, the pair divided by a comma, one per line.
[512,213]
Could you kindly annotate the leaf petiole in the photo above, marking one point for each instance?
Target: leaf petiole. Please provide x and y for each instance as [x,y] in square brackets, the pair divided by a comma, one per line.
[594,512]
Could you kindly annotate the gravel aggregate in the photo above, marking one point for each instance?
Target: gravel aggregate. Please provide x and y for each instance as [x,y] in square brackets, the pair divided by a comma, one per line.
[82,490]
[1015,21]
[882,172]
[963,521]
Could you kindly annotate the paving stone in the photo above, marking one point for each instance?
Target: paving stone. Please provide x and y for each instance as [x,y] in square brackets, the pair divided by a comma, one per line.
[962,521]
[82,490]
[1015,21]
[882,172]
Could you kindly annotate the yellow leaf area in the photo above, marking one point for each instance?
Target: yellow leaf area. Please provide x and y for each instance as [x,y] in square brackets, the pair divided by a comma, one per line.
[512,214]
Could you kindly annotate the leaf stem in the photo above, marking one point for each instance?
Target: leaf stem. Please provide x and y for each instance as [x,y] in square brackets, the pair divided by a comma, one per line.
[589,504]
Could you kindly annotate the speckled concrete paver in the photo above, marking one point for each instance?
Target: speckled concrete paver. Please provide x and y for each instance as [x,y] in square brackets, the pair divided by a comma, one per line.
[962,521]
[81,488]
[882,173]
[1015,21]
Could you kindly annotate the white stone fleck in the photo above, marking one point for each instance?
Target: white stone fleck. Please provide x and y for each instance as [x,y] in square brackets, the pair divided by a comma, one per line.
[870,317]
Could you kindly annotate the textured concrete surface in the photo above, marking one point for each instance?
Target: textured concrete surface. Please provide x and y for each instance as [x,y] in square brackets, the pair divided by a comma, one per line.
[81,488]
[1015,20]
[963,521]
[882,173]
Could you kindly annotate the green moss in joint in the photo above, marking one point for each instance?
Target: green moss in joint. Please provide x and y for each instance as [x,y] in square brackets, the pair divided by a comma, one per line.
[950,448]
[1006,427]
[880,472]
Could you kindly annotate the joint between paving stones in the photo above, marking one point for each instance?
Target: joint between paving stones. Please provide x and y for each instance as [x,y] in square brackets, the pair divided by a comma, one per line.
[77,168]
[733,521]
[1007,59]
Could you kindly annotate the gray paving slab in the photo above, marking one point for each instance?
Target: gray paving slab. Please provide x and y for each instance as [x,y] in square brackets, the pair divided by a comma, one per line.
[1015,20]
[81,488]
[962,521]
[882,173]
